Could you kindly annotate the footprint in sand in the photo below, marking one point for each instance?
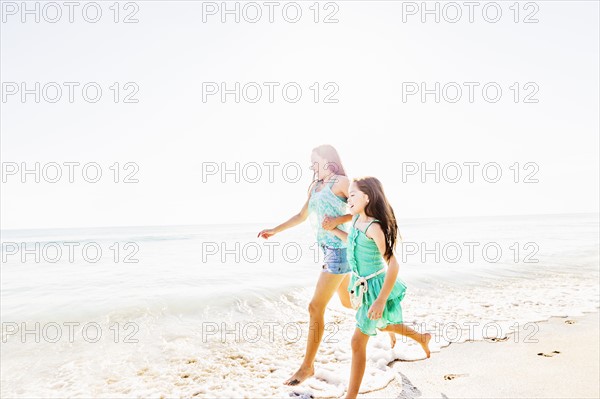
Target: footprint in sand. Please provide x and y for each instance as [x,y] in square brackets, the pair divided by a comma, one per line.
[453,376]
[548,354]
[570,321]
[301,395]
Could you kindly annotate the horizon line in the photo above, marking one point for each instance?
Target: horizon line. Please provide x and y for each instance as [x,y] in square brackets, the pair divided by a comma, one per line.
[255,223]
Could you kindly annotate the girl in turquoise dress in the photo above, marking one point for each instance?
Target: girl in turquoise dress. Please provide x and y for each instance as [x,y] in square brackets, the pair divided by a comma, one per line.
[374,290]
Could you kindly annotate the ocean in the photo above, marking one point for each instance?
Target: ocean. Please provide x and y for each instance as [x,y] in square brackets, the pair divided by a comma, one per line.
[213,311]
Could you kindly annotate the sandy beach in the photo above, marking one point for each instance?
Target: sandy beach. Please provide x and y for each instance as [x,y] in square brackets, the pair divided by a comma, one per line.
[244,332]
[509,369]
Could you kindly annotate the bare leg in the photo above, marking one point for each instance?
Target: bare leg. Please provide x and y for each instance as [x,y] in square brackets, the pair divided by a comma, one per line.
[326,286]
[422,339]
[345,299]
[359,361]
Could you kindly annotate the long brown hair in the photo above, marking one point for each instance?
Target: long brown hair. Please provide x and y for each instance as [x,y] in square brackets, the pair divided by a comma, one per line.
[334,163]
[379,208]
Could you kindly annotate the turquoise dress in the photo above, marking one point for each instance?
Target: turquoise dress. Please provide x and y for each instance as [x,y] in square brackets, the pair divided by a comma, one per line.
[365,259]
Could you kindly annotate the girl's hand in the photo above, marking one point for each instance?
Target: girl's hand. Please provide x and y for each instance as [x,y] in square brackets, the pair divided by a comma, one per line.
[329,223]
[376,310]
[266,233]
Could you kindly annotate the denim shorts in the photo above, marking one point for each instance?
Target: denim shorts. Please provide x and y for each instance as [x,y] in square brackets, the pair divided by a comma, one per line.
[335,260]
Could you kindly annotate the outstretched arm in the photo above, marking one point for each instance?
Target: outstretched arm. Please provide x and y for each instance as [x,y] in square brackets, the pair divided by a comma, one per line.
[291,222]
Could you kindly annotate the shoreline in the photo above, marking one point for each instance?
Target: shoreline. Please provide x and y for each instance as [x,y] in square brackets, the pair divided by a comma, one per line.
[508,369]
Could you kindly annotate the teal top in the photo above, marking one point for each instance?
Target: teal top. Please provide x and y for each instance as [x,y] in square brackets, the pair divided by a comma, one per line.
[363,254]
[365,259]
[325,203]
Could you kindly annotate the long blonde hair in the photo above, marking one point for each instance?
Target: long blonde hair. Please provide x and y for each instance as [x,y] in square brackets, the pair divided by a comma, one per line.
[329,153]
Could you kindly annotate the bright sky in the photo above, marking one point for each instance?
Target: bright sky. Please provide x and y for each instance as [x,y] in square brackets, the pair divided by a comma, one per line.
[171,134]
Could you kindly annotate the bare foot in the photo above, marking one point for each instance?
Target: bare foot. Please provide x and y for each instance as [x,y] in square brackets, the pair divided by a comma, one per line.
[425,344]
[392,339]
[299,376]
